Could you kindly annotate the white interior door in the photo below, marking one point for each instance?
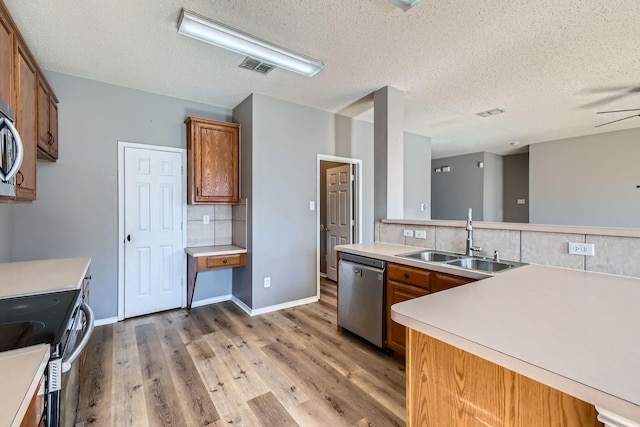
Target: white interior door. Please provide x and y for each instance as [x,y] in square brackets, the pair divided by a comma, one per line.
[153,253]
[340,220]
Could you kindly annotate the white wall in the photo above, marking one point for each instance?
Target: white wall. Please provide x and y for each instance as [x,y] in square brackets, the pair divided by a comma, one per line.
[76,211]
[588,180]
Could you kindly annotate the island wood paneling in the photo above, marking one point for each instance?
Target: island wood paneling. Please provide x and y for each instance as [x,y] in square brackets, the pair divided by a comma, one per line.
[450,387]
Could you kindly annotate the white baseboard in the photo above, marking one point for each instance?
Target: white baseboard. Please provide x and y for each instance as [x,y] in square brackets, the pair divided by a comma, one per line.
[208,301]
[236,301]
[244,307]
[106,321]
[263,310]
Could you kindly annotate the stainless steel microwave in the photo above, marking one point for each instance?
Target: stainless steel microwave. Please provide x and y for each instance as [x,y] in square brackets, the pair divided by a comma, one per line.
[11,151]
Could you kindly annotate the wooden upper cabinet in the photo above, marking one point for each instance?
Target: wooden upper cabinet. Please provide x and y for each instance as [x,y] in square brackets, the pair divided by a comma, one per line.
[47,123]
[53,126]
[213,162]
[6,58]
[26,84]
[26,90]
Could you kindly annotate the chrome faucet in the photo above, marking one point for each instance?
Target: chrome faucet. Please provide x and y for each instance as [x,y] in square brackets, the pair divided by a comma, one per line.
[470,248]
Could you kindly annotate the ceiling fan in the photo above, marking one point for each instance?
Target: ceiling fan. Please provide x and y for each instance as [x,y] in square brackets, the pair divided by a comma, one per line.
[618,111]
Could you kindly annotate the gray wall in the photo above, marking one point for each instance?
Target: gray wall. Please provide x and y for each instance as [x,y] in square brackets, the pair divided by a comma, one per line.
[285,141]
[417,176]
[76,212]
[492,188]
[6,232]
[354,139]
[242,277]
[516,186]
[588,180]
[453,193]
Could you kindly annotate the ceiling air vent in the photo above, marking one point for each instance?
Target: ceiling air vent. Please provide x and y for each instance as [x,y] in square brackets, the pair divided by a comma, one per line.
[490,113]
[256,65]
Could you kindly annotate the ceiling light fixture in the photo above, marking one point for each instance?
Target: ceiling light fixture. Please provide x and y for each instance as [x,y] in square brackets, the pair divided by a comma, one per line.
[203,29]
[405,4]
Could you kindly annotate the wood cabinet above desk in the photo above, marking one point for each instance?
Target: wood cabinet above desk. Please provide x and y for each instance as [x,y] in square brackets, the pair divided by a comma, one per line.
[210,258]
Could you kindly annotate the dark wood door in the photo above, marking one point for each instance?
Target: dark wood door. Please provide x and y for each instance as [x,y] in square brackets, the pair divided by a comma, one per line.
[6,58]
[26,120]
[214,161]
[396,333]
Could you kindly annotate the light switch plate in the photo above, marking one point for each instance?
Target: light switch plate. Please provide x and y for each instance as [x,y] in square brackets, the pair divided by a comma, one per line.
[408,233]
[582,249]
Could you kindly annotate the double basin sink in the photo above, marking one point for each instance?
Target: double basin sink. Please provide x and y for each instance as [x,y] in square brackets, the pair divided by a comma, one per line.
[464,261]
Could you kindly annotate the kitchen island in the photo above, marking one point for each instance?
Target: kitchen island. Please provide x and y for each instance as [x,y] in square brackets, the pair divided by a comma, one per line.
[568,337]
[570,331]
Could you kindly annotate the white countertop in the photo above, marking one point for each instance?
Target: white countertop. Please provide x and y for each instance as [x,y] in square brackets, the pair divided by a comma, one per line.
[575,331]
[21,371]
[198,251]
[388,252]
[42,276]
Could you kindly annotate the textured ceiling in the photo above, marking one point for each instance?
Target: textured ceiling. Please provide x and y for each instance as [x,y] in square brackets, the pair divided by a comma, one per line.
[549,64]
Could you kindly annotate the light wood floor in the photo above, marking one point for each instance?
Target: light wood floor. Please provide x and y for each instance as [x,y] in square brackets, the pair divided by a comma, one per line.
[217,366]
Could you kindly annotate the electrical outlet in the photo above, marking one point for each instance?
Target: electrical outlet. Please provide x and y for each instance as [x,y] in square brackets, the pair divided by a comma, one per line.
[421,234]
[267,282]
[423,207]
[205,219]
[408,233]
[582,249]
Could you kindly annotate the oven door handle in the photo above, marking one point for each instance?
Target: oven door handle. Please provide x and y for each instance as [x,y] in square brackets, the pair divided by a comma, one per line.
[66,364]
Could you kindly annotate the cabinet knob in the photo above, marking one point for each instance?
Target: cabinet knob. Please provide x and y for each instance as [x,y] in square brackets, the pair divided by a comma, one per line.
[197,191]
[406,275]
[224,261]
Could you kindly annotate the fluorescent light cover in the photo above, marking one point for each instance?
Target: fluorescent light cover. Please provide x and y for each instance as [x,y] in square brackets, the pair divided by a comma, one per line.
[405,4]
[203,29]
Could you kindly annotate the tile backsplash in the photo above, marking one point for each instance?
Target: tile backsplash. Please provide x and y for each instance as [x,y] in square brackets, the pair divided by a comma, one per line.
[227,225]
[613,254]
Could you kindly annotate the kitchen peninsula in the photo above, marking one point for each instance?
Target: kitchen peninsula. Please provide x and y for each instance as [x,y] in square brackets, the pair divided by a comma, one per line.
[573,333]
[569,330]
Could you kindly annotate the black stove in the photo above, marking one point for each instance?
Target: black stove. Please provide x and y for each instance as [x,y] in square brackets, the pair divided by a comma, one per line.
[37,319]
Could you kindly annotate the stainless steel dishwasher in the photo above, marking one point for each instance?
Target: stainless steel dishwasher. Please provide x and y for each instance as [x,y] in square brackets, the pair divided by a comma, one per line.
[361,283]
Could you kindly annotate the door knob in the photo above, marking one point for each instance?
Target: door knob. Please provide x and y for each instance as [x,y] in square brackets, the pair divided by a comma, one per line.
[128,237]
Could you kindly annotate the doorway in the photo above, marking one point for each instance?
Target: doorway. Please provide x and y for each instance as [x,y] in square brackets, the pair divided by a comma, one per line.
[325,254]
[151,212]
